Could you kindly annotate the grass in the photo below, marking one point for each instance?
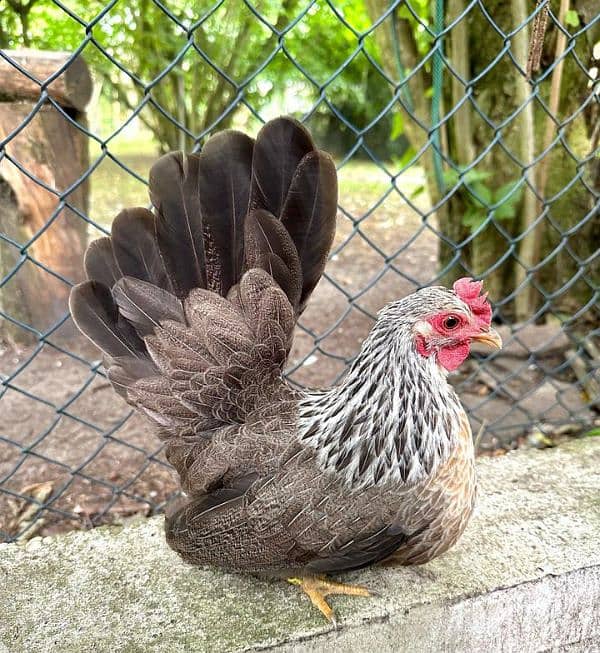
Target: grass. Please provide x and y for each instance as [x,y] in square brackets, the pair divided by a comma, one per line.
[360,177]
[114,187]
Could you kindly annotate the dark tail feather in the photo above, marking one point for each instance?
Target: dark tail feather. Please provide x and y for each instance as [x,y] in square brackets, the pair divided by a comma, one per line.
[135,247]
[219,215]
[280,146]
[97,316]
[297,183]
[100,264]
[309,216]
[224,185]
[175,195]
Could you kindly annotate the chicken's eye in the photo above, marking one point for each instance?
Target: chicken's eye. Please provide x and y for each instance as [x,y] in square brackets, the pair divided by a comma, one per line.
[451,322]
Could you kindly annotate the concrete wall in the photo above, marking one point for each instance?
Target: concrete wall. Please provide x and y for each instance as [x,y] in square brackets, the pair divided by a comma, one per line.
[525,577]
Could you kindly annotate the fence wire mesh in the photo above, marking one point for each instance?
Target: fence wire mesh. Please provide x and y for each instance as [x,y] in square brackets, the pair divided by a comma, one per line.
[466,137]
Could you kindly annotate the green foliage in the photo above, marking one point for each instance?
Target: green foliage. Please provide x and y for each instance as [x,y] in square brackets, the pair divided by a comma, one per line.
[181,64]
[212,60]
[572,18]
[325,43]
[42,24]
[419,16]
[397,125]
[407,159]
[592,433]
[145,41]
[482,199]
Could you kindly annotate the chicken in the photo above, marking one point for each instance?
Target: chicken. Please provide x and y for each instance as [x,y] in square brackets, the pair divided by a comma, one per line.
[194,307]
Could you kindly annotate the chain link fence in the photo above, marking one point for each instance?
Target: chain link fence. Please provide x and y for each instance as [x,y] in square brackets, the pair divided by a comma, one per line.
[466,135]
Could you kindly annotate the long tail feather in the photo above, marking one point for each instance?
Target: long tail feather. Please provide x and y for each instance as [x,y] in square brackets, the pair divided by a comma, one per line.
[280,146]
[100,264]
[175,195]
[225,169]
[97,316]
[309,216]
[135,247]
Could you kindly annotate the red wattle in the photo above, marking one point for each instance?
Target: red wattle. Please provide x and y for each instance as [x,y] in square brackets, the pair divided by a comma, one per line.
[452,357]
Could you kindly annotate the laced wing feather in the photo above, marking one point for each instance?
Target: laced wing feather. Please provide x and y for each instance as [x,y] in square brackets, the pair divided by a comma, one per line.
[275,322]
[221,365]
[247,293]
[363,551]
[222,335]
[145,305]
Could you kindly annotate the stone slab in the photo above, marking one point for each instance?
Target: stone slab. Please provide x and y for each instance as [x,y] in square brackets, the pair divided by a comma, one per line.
[524,577]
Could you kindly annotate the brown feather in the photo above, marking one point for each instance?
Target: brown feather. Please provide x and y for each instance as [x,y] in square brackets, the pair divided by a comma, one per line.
[224,174]
[100,264]
[268,246]
[96,315]
[135,247]
[144,305]
[309,216]
[175,195]
[280,146]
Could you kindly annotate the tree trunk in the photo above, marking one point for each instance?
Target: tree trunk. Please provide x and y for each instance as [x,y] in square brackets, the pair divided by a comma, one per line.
[54,152]
[499,93]
[572,191]
[454,248]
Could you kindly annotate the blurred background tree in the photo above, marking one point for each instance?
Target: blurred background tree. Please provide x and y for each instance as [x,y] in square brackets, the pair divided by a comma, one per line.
[186,71]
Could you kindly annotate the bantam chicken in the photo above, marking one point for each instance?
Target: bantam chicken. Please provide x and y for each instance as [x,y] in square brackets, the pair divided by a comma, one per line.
[194,307]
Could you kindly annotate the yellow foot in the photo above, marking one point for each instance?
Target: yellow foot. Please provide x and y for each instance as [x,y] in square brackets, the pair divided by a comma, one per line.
[317,588]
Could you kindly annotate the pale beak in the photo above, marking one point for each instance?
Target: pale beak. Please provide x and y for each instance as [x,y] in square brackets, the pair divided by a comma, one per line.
[491,338]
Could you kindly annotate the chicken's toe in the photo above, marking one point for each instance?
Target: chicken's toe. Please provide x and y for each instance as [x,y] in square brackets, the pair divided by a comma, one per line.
[317,588]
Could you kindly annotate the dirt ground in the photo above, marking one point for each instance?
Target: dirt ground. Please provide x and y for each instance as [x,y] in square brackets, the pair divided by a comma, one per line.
[68,440]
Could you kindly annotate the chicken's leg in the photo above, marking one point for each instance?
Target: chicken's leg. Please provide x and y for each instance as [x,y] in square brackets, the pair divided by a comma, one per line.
[317,588]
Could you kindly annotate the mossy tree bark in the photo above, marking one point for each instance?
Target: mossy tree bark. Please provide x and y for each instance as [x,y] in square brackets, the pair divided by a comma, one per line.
[418,116]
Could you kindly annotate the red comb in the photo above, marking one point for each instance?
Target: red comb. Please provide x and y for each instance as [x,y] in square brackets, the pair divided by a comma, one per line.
[468,290]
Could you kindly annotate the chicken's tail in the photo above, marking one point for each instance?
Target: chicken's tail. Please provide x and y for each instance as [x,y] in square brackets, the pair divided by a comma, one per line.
[194,304]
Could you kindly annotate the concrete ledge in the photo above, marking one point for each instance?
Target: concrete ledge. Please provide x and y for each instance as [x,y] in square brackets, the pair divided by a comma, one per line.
[525,577]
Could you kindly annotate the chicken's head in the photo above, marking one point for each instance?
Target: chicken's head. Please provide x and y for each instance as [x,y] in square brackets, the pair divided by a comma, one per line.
[448,321]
